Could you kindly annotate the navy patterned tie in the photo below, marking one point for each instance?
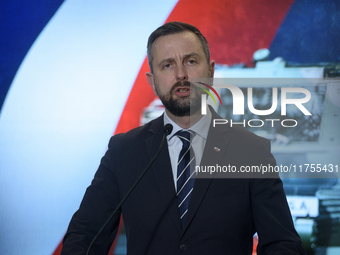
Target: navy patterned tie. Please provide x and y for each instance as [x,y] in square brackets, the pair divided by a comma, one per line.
[185,179]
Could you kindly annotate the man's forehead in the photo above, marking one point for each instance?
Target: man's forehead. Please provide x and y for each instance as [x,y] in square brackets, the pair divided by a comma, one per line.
[179,43]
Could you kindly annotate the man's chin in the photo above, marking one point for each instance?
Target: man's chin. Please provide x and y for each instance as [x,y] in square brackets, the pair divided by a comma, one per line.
[181,107]
[182,111]
[179,112]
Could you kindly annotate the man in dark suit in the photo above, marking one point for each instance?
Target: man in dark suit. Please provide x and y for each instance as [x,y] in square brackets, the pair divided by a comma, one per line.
[220,215]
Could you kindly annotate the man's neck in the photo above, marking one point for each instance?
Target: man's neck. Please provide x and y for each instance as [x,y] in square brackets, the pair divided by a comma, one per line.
[185,122]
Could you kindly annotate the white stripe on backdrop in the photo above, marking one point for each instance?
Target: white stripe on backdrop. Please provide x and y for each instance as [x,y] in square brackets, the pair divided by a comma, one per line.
[60,112]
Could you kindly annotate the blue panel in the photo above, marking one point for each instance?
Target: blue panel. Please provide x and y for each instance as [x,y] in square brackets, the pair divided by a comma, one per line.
[21,22]
[310,33]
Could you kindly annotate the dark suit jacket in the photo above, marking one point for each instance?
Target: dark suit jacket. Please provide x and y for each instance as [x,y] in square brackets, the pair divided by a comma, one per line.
[223,213]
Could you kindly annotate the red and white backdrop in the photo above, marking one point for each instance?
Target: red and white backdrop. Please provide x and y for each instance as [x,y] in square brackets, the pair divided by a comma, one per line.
[80,78]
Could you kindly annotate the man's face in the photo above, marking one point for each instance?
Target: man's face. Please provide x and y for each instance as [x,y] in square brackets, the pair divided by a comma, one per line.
[177,58]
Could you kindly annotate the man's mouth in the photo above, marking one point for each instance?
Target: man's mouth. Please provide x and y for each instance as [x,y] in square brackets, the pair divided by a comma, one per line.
[182,91]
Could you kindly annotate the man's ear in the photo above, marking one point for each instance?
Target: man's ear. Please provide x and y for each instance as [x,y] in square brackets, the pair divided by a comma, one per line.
[211,68]
[151,81]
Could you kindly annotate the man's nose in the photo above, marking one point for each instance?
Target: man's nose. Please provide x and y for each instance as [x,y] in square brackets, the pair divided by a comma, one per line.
[181,74]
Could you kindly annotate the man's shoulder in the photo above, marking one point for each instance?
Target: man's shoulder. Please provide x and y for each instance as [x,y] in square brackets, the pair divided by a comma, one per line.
[237,132]
[244,134]
[141,132]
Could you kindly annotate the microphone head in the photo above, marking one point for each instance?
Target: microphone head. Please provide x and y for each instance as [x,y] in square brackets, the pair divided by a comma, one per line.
[168,129]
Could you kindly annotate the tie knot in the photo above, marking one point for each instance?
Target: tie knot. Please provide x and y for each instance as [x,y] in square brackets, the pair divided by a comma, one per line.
[184,136]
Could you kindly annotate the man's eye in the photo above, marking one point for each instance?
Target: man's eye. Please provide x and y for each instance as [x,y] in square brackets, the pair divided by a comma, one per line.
[191,61]
[166,66]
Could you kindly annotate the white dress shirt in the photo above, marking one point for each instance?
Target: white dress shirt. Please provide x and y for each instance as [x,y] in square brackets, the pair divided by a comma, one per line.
[201,129]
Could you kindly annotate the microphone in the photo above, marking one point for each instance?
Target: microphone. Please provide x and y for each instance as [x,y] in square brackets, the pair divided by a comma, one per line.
[167,131]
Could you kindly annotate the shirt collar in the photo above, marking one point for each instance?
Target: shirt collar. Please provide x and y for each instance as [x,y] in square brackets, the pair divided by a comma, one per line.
[201,128]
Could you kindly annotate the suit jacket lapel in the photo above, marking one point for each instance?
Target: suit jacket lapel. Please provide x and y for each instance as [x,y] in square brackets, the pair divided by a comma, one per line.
[214,151]
[162,170]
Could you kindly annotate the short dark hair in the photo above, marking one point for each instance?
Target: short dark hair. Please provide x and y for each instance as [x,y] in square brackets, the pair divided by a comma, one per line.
[174,28]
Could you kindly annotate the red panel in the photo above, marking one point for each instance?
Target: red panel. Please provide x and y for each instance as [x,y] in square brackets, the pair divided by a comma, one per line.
[58,250]
[140,97]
